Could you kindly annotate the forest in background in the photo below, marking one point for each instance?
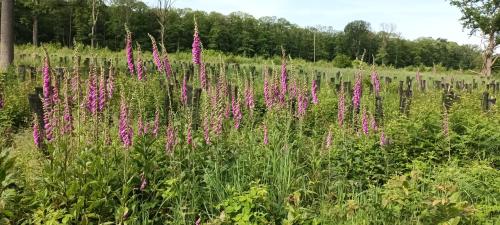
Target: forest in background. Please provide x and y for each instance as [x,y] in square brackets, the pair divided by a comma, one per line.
[62,21]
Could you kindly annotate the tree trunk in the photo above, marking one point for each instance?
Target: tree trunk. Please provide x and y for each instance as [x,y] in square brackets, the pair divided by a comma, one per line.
[35,30]
[7,34]
[488,55]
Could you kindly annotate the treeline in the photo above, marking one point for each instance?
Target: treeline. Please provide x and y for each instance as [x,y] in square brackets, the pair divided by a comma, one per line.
[62,21]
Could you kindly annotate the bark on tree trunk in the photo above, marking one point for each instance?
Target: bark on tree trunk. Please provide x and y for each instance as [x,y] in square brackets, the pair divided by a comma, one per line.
[7,34]
[35,30]
[488,55]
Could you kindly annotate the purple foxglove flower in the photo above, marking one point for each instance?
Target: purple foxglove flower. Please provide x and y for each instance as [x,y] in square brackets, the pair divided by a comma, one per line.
[364,122]
[125,131]
[102,92]
[168,66]
[140,69]
[267,95]
[171,139]
[37,137]
[184,95]
[47,81]
[203,76]
[341,106]
[249,100]
[156,55]
[55,96]
[236,112]
[75,87]
[129,52]
[356,98]
[328,141]
[283,78]
[302,103]
[47,119]
[92,92]
[196,51]
[374,124]
[266,137]
[314,94]
[375,83]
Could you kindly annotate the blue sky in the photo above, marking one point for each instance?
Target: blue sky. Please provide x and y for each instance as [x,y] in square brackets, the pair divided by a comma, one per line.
[412,18]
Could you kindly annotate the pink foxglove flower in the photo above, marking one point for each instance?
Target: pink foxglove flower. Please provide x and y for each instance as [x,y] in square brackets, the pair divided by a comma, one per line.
[168,66]
[156,55]
[267,94]
[196,47]
[170,139]
[47,80]
[125,131]
[373,123]
[314,93]
[184,94]
[139,65]
[341,106]
[129,52]
[283,78]
[365,122]
[37,136]
[102,92]
[156,125]
[356,98]
[140,126]
[375,83]
[48,115]
[92,92]
[249,100]
[328,142]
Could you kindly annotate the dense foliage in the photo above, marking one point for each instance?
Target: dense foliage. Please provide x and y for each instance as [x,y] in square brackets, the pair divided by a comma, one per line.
[237,33]
[153,155]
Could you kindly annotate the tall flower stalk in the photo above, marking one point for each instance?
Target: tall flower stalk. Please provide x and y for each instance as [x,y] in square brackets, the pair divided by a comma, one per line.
[139,65]
[196,46]
[102,91]
[356,98]
[125,131]
[156,55]
[37,136]
[129,51]
[314,93]
[375,83]
[341,106]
